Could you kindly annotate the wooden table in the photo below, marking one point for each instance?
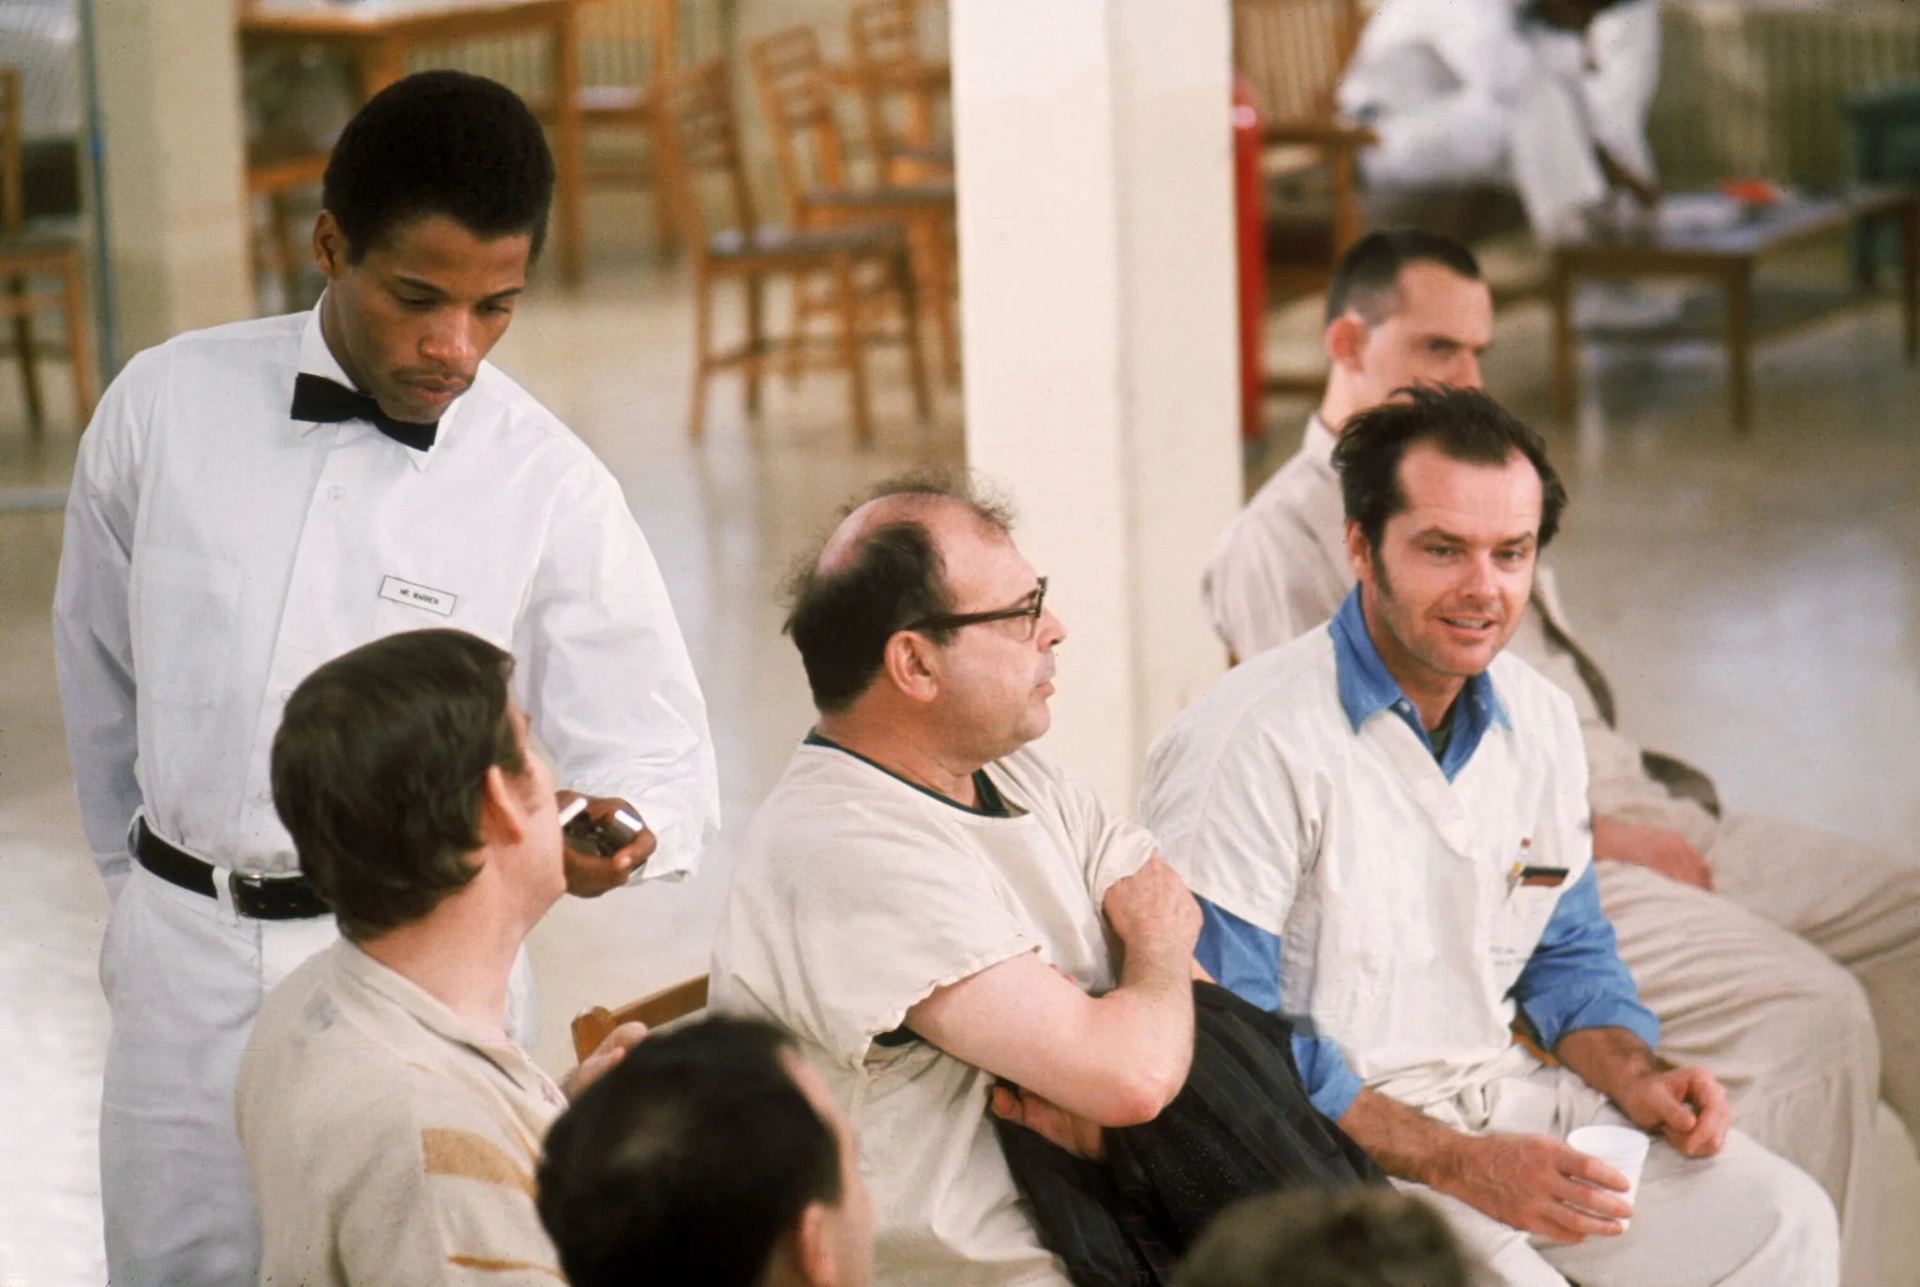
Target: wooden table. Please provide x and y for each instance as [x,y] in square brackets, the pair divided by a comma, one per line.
[378,35]
[1729,256]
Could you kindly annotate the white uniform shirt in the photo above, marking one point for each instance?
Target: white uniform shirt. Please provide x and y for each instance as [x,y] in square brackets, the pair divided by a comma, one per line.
[1414,51]
[1402,928]
[218,551]
[858,895]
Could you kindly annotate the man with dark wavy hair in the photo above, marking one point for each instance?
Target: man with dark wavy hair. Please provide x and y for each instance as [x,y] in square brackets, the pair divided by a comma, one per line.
[391,1123]
[1386,823]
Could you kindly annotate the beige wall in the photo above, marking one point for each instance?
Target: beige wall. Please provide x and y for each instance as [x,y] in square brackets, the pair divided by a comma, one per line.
[1097,271]
[170,100]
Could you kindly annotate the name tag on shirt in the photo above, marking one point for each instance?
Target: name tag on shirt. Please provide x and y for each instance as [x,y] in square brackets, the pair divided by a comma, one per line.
[438,602]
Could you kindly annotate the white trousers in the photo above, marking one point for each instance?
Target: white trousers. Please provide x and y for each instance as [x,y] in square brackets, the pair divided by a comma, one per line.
[1798,984]
[1540,147]
[1744,1218]
[184,977]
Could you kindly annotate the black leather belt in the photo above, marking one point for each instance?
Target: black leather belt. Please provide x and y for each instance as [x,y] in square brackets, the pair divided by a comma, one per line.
[264,898]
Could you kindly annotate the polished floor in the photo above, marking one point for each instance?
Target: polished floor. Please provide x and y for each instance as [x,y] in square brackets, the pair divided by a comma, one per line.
[1757,602]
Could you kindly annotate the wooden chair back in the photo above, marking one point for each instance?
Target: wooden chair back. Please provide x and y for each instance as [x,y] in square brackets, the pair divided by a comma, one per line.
[1293,53]
[12,199]
[627,42]
[796,96]
[883,37]
[701,141]
[590,1027]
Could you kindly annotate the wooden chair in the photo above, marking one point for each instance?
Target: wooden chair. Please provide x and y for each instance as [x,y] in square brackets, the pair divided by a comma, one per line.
[276,169]
[883,37]
[1293,53]
[27,254]
[590,1027]
[631,45]
[797,97]
[866,264]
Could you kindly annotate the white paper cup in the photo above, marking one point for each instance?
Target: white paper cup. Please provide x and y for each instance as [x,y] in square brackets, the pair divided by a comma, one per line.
[1621,1147]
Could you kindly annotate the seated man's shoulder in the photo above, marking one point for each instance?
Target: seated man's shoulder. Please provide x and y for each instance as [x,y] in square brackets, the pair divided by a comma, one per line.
[1282,689]
[410,1169]
[315,1063]
[1300,500]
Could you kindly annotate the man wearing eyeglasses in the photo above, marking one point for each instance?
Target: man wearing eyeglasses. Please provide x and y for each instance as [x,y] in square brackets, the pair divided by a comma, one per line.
[925,901]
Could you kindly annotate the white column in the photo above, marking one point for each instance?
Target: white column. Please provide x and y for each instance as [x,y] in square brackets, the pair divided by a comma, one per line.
[1098,299]
[176,207]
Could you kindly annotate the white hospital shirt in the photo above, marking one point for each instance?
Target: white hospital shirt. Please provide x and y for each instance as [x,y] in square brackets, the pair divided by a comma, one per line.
[218,551]
[1390,888]
[858,895]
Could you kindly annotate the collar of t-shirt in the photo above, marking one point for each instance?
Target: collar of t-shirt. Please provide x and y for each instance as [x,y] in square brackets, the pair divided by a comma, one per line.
[992,803]
[1367,688]
[317,359]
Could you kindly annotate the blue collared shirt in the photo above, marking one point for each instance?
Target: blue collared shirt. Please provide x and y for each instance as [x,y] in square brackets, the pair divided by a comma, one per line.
[1367,688]
[1575,978]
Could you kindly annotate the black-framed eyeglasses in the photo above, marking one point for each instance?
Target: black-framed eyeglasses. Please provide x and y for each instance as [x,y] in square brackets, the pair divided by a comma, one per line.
[954,620]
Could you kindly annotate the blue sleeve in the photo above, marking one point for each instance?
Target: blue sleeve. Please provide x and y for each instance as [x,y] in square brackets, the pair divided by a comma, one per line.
[1245,960]
[1576,979]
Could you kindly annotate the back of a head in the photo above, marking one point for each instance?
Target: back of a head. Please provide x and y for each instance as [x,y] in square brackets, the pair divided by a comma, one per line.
[844,610]
[440,143]
[1365,1237]
[379,768]
[1465,424]
[687,1163]
[1366,280]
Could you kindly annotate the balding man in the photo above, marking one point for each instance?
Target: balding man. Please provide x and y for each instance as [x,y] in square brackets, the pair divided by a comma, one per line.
[920,899]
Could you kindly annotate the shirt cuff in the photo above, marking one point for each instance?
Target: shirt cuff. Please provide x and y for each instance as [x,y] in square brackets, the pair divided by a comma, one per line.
[1596,1009]
[1331,1085]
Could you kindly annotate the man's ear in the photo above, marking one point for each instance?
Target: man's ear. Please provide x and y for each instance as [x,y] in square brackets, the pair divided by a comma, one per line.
[503,809]
[329,246]
[1359,553]
[816,1253]
[1345,341]
[910,665]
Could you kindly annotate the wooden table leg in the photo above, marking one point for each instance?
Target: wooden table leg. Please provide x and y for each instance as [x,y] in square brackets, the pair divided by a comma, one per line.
[77,340]
[927,237]
[1738,282]
[1910,274]
[1565,377]
[569,178]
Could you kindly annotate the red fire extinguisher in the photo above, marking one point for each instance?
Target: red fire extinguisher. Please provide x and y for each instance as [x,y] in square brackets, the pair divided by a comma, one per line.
[1249,203]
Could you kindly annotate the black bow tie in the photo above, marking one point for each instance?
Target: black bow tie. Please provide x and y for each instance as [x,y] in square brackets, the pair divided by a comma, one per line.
[324,401]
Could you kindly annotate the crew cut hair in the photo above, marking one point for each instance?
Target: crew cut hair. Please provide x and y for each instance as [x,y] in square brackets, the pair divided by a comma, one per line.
[1367,278]
[380,766]
[1466,424]
[440,143]
[841,618]
[687,1162]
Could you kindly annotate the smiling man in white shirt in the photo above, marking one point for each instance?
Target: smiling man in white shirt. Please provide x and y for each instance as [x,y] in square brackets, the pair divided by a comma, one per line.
[253,500]
[1386,823]
[1784,958]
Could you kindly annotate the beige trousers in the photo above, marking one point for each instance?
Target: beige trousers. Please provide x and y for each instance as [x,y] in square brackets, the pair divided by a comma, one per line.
[1777,982]
[1744,1218]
